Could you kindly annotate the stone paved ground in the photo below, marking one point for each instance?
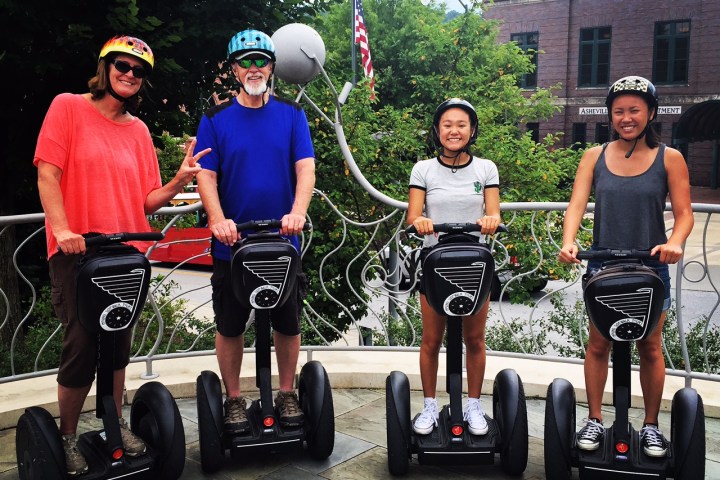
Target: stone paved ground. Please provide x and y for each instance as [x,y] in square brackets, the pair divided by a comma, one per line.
[360,442]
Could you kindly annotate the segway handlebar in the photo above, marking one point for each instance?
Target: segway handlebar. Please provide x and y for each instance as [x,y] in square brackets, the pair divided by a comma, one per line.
[456,228]
[107,238]
[259,225]
[616,254]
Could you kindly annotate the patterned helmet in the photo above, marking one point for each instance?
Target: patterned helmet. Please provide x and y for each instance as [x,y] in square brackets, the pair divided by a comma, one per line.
[455,103]
[250,41]
[633,85]
[130,45]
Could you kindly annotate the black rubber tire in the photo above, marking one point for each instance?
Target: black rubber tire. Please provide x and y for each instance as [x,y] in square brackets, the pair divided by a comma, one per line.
[559,430]
[209,409]
[38,446]
[314,387]
[687,419]
[397,415]
[154,417]
[510,414]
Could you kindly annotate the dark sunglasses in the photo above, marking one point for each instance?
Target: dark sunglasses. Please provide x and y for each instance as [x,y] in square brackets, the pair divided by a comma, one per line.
[249,62]
[125,67]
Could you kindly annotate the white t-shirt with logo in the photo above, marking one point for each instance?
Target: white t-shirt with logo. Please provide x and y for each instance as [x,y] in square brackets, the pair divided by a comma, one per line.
[454,194]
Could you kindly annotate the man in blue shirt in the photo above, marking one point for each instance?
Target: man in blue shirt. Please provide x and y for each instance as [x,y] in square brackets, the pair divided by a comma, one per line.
[261,166]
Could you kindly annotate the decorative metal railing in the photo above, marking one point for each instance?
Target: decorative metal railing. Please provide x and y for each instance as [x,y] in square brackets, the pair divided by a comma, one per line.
[387,291]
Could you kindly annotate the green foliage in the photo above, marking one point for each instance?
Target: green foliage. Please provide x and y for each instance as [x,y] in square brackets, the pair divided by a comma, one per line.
[405,330]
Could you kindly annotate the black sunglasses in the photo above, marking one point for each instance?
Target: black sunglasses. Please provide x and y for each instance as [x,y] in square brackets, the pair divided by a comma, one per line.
[125,67]
[249,62]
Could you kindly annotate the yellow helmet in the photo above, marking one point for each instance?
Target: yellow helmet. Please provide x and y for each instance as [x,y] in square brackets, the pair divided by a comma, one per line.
[130,45]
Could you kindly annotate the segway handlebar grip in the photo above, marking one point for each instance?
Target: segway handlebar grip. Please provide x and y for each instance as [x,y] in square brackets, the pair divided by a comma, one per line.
[107,238]
[616,254]
[457,228]
[258,225]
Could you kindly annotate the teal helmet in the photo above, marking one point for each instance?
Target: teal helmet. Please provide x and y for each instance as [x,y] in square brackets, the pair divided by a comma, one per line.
[250,41]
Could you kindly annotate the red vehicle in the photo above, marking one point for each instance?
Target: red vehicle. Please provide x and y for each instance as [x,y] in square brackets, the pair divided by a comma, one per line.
[190,243]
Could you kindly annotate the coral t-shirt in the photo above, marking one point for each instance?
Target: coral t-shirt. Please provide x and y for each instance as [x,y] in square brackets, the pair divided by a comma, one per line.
[108,168]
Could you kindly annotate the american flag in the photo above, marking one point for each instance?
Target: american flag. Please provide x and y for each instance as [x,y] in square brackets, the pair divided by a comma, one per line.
[361,37]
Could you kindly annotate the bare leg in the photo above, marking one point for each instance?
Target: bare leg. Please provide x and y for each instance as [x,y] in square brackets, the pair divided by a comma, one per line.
[596,371]
[652,372]
[287,350]
[474,338]
[432,335]
[229,352]
[70,403]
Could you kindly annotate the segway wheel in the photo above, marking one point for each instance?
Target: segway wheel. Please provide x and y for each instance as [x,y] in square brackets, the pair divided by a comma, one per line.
[397,414]
[210,421]
[510,413]
[317,405]
[154,417]
[559,429]
[687,419]
[38,445]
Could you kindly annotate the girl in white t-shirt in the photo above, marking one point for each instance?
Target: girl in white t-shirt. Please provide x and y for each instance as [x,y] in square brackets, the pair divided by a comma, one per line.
[454,187]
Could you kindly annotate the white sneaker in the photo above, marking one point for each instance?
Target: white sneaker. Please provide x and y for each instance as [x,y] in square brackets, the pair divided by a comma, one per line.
[474,415]
[428,418]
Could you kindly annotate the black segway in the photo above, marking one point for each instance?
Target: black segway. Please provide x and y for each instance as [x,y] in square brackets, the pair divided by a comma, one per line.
[624,301]
[458,273]
[264,272]
[112,286]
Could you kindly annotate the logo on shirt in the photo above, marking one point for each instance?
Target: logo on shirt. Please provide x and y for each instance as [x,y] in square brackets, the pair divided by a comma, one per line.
[478,187]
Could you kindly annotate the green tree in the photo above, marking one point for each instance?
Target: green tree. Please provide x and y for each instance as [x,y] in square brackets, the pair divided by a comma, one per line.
[47,48]
[419,61]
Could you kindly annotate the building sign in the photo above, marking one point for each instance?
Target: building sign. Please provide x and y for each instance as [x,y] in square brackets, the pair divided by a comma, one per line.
[603,111]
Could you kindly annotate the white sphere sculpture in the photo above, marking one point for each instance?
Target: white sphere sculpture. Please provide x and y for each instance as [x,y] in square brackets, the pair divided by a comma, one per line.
[296,47]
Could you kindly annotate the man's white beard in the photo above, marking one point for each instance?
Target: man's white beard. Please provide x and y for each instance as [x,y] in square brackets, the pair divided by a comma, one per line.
[255,90]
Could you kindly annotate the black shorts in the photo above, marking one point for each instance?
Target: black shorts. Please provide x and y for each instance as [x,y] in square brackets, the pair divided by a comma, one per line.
[78,360]
[231,317]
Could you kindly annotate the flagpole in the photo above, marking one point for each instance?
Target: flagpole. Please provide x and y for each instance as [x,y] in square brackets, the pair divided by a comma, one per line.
[353,53]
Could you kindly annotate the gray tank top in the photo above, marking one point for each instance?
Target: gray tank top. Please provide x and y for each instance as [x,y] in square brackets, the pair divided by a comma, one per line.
[629,210]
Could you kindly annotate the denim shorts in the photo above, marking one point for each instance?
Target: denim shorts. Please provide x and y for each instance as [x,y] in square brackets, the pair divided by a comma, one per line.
[662,270]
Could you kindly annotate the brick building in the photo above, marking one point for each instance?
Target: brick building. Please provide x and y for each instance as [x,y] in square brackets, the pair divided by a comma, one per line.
[585,45]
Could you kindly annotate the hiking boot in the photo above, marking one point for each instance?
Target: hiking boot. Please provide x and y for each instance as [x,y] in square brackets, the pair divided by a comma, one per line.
[590,435]
[428,418]
[653,441]
[289,409]
[236,420]
[74,460]
[474,415]
[132,444]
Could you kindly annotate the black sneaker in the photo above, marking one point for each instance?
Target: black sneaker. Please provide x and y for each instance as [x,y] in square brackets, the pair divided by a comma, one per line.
[653,441]
[289,409]
[590,435]
[236,420]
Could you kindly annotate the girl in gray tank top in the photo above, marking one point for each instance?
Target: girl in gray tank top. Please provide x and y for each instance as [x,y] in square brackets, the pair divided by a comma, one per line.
[631,178]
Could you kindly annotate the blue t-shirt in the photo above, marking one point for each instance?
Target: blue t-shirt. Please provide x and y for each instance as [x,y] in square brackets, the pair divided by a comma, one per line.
[254,151]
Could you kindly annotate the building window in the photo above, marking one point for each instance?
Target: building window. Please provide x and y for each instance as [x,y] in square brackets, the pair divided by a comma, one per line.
[579,136]
[528,42]
[602,132]
[534,129]
[594,57]
[672,52]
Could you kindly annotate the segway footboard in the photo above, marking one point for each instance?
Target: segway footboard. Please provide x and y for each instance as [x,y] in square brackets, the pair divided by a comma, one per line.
[440,447]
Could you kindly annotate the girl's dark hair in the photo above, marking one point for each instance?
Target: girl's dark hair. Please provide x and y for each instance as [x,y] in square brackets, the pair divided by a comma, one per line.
[100,83]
